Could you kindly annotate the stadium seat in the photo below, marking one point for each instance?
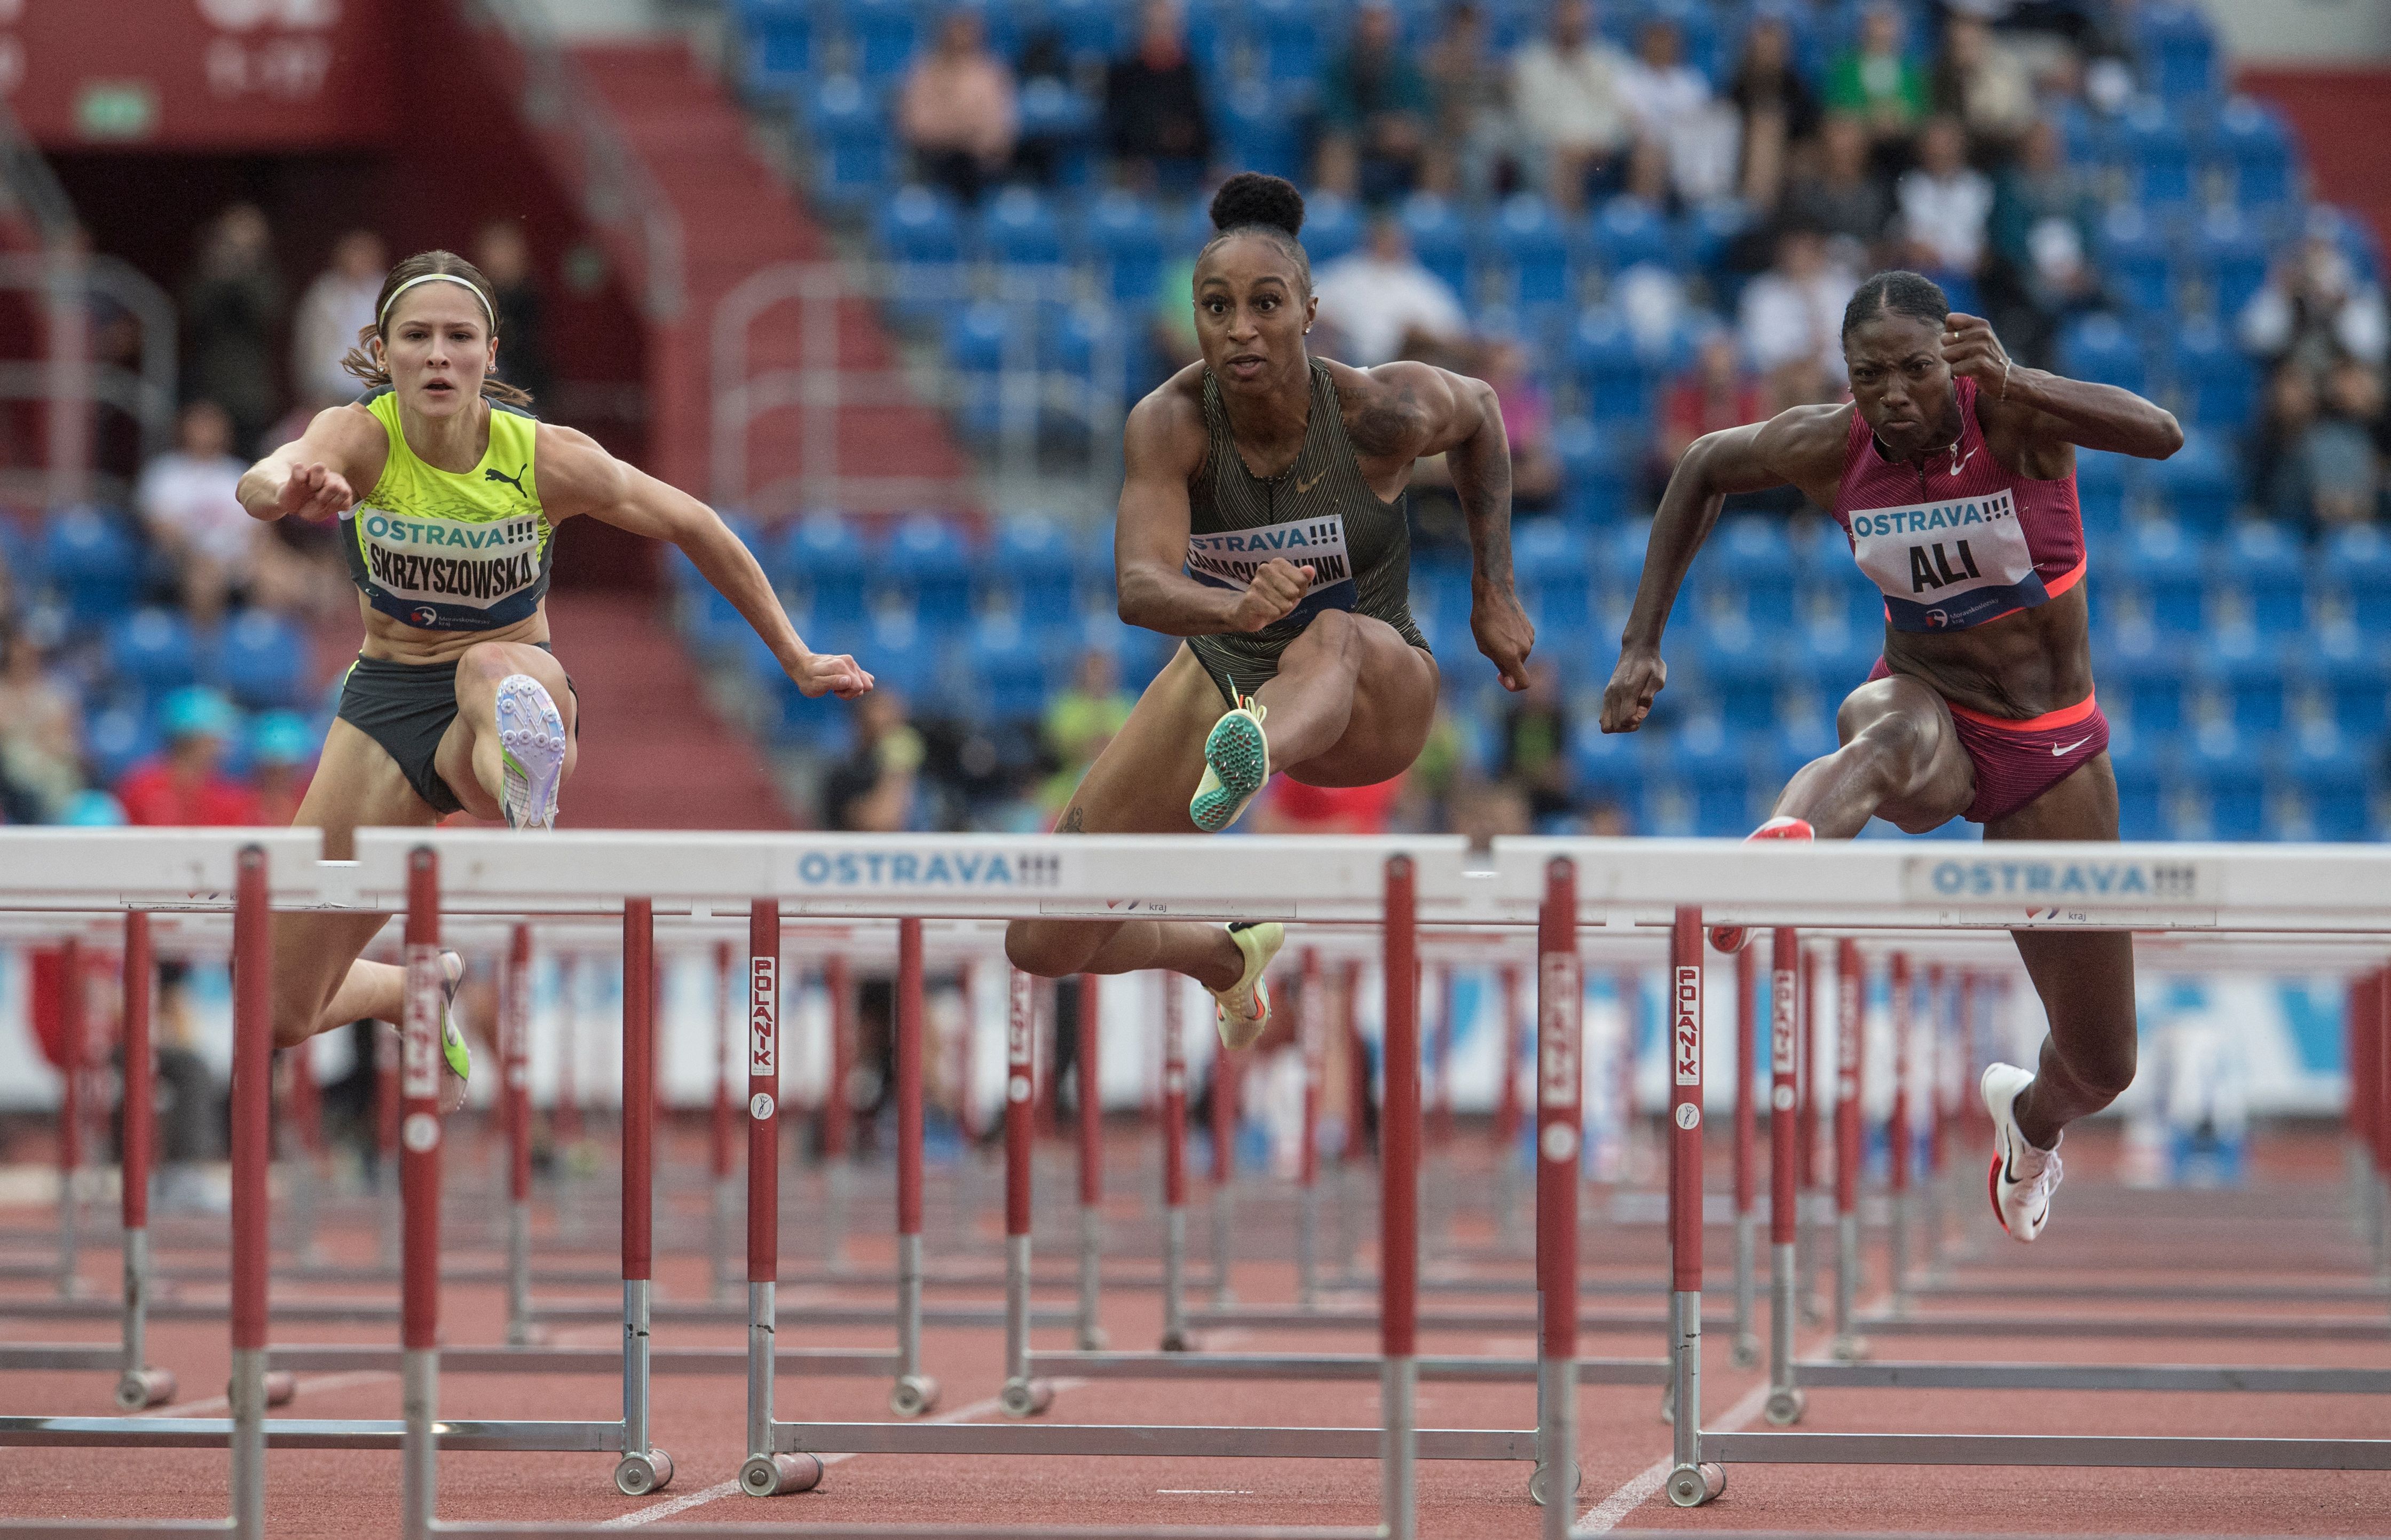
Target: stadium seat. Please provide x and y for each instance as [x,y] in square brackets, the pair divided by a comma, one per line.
[1597,472]
[2137,261]
[855,155]
[2225,773]
[154,651]
[821,558]
[2346,671]
[2325,777]
[2178,52]
[1123,239]
[94,562]
[1019,229]
[116,739]
[262,661]
[1530,247]
[2259,571]
[1795,742]
[2098,349]
[881,35]
[2216,386]
[2101,480]
[1547,555]
[2198,485]
[903,657]
[922,234]
[2251,137]
[1628,232]
[1029,571]
[1009,672]
[1606,766]
[2140,764]
[781,44]
[2164,574]
[1612,371]
[1263,132]
[2229,254]
[2141,681]
[1440,240]
[1710,766]
[1736,668]
[1830,661]
[2157,154]
[2241,680]
[1061,121]
[1089,30]
[1747,569]
[1332,227]
[1292,39]
[926,560]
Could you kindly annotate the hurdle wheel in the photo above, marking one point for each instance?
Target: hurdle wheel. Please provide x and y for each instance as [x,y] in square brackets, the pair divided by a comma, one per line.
[1693,1485]
[1849,1348]
[1095,1340]
[144,1388]
[1539,1487]
[913,1395]
[1785,1406]
[1177,1341]
[1024,1398]
[1747,1351]
[777,1475]
[640,1474]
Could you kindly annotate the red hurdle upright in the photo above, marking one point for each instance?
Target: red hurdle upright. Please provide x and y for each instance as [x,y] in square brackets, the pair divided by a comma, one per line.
[1310,1035]
[1226,1088]
[1850,1001]
[1561,1117]
[74,1071]
[1690,1482]
[837,1116]
[915,1393]
[1174,1168]
[719,1138]
[418,1178]
[1784,1399]
[2362,1023]
[1747,1339]
[1089,1329]
[1897,1134]
[1508,1113]
[141,1385]
[1021,1396]
[514,1055]
[1398,1124]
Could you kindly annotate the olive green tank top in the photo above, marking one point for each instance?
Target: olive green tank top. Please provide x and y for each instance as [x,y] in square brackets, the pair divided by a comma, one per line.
[447,550]
[1318,512]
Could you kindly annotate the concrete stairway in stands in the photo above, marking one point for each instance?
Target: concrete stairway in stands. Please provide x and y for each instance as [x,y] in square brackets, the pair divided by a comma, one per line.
[654,754]
[737,216]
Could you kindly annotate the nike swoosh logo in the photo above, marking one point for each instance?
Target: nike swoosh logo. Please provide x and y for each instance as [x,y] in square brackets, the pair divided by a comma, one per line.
[2060,751]
[1303,486]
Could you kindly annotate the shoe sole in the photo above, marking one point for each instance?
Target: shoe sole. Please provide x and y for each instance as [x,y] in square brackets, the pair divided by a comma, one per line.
[1239,756]
[530,739]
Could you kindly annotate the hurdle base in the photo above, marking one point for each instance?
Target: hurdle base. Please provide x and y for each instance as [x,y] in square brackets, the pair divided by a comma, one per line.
[1024,1398]
[1696,1485]
[1785,1407]
[141,1389]
[779,1475]
[913,1395]
[642,1472]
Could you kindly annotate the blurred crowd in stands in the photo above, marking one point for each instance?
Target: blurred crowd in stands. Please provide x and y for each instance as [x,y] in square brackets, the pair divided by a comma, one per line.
[157,659]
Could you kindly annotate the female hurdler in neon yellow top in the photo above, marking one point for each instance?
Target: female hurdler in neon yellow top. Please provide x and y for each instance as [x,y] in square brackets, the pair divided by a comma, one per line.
[449,496]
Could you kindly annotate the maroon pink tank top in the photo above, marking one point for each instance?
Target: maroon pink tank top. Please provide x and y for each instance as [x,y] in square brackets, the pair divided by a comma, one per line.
[1957,541]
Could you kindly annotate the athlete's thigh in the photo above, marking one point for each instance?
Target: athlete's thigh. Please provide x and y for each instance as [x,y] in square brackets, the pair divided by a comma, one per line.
[2084,977]
[1394,707]
[1914,723]
[1144,780]
[479,671]
[357,786]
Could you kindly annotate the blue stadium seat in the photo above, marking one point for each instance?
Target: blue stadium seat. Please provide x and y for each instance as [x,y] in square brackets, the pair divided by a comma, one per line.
[1123,239]
[1440,238]
[155,651]
[1547,554]
[2217,386]
[262,661]
[116,739]
[2137,260]
[2347,672]
[2157,154]
[1597,472]
[2230,251]
[93,561]
[2227,774]
[926,559]
[2102,482]
[1609,766]
[2140,763]
[1009,672]
[1088,29]
[2357,569]
[1331,226]
[1531,248]
[1736,668]
[2141,681]
[1747,568]
[1020,229]
[1628,232]
[1797,743]
[1029,570]
[2327,778]
[1613,371]
[2242,680]
[921,232]
[2199,485]
[1091,567]
[882,34]
[1263,134]
[1712,768]
[2252,136]
[2178,52]
[781,44]
[2261,571]
[2098,349]
[2164,574]
[1055,116]
[820,558]
[856,156]
[1088,343]
[1830,662]
[1293,40]
[977,341]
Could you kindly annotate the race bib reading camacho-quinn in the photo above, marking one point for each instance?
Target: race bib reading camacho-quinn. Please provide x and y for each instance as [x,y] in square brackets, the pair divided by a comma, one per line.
[1228,560]
[451,573]
[1945,566]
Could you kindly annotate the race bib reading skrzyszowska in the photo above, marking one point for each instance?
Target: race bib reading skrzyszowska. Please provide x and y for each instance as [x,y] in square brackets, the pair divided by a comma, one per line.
[1229,559]
[1945,566]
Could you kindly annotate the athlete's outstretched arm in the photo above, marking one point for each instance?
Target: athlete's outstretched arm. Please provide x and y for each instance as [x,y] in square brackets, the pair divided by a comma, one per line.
[1162,447]
[2089,416]
[316,475]
[1797,445]
[1434,411]
[575,477]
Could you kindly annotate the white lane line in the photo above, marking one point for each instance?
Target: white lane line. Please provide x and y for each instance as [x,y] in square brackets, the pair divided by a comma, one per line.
[319,1382]
[1639,1488]
[1202,1491]
[672,1505]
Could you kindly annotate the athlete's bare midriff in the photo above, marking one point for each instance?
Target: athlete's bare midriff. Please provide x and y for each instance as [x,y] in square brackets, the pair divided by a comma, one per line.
[396,642]
[2020,665]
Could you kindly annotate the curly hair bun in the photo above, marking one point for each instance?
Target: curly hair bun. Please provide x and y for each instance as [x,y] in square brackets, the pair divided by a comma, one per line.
[1250,197]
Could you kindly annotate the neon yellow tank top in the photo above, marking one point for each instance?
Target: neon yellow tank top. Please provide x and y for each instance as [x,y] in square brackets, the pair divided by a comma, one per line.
[446,551]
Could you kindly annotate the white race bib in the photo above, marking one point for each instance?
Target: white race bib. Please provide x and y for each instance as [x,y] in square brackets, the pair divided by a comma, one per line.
[1945,566]
[1228,560]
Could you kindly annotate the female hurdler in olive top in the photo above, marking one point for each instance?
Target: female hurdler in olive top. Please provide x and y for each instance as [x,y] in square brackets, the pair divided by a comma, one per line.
[1261,518]
[449,494]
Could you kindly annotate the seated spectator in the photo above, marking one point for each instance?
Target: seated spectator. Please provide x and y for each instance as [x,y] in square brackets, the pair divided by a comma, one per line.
[231,304]
[1436,519]
[1779,110]
[2314,307]
[1383,304]
[1840,195]
[957,113]
[1291,807]
[1671,104]
[1374,112]
[1154,123]
[504,257]
[187,785]
[185,498]
[1471,96]
[1565,94]
[1080,719]
[2040,268]
[1945,203]
[1878,85]
[877,789]
[41,736]
[281,758]
[1794,311]
[1533,754]
[1980,82]
[1170,325]
[1715,393]
[337,307]
[2345,449]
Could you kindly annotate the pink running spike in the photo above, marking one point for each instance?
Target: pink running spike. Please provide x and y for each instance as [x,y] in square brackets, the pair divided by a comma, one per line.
[1731,938]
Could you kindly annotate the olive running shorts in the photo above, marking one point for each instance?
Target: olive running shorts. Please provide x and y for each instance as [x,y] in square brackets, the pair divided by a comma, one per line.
[407,708]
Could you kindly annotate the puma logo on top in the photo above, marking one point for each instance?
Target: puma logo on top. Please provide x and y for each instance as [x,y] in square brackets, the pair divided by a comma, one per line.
[516,481]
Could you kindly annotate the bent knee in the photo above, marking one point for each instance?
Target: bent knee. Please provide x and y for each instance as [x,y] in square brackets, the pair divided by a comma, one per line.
[295,1019]
[2102,1063]
[1048,949]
